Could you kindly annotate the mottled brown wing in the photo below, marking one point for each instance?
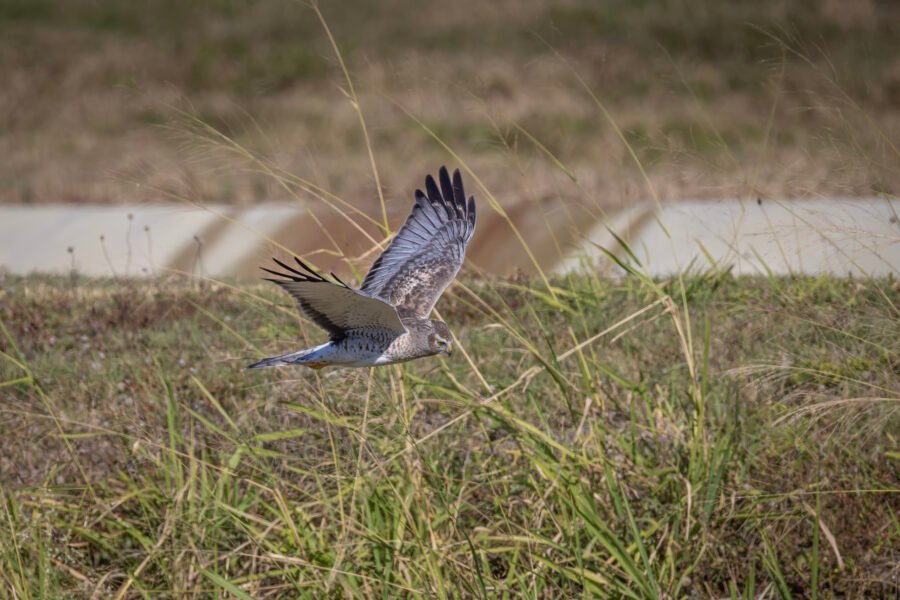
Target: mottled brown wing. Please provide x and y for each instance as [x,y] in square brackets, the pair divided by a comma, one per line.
[335,307]
[428,251]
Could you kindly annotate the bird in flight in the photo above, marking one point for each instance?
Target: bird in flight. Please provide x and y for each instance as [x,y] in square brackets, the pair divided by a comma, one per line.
[386,320]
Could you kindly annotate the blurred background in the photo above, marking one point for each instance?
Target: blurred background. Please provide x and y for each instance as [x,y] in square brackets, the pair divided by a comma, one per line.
[570,113]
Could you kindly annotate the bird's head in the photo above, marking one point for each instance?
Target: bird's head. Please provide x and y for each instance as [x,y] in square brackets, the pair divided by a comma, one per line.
[440,339]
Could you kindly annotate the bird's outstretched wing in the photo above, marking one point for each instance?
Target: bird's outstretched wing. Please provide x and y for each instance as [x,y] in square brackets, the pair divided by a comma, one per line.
[335,307]
[427,252]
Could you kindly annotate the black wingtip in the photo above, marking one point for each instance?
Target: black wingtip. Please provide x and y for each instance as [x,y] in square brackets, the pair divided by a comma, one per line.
[444,177]
[287,268]
[459,195]
[307,268]
[291,273]
[449,194]
[459,192]
[446,188]
[339,280]
[276,273]
[454,198]
[431,188]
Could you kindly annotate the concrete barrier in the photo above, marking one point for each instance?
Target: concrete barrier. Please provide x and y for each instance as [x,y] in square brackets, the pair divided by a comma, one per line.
[837,236]
[135,241]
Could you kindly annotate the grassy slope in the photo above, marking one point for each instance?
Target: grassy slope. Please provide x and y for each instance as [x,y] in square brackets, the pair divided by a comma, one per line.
[138,457]
[718,99]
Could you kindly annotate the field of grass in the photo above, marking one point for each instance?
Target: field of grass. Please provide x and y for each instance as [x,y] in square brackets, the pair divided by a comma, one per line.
[705,437]
[774,98]
[699,437]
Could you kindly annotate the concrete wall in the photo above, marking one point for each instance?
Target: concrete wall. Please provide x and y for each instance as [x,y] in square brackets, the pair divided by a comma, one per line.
[839,236]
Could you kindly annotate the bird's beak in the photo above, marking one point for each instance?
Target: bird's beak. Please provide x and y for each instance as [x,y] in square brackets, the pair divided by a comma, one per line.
[449,350]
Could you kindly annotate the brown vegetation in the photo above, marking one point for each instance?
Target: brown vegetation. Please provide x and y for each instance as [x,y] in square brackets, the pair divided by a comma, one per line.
[717,99]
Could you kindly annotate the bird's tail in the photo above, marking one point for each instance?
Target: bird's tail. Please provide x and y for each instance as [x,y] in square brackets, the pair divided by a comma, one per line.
[291,358]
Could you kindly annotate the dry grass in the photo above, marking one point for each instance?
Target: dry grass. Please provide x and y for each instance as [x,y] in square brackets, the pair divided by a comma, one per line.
[696,437]
[139,460]
[713,97]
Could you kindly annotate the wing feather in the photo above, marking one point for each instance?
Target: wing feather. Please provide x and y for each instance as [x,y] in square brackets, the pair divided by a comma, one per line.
[428,251]
[335,307]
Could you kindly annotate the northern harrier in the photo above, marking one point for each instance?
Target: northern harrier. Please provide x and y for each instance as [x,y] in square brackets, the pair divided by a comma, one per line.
[386,320]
